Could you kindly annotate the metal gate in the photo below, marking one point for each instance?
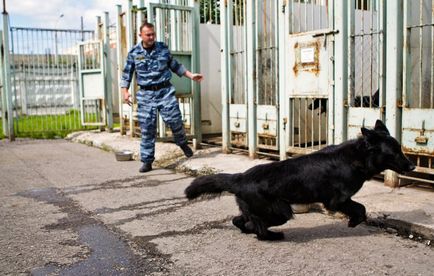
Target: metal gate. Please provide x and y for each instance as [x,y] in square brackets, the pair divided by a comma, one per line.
[176,25]
[418,86]
[309,66]
[366,66]
[267,77]
[44,83]
[250,79]
[92,84]
[234,69]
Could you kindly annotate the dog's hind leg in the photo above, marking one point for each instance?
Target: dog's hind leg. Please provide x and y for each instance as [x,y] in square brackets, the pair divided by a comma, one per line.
[243,221]
[262,232]
[355,210]
[243,224]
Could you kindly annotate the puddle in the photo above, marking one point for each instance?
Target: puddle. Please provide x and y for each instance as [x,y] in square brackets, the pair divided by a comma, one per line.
[109,253]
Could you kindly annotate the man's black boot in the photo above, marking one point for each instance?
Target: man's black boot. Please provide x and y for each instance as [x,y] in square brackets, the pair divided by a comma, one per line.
[187,150]
[146,167]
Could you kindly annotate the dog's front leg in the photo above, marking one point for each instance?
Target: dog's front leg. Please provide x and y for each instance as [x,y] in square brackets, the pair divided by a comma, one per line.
[355,210]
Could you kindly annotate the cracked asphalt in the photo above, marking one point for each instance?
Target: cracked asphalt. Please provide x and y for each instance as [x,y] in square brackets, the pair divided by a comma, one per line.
[70,209]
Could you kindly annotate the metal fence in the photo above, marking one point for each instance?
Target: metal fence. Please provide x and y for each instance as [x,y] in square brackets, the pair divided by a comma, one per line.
[418,88]
[44,80]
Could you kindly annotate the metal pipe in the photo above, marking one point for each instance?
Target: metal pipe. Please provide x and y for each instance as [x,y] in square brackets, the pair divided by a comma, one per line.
[416,179]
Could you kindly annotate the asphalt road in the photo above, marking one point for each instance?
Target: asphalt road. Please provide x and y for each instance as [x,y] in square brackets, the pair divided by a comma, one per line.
[70,209]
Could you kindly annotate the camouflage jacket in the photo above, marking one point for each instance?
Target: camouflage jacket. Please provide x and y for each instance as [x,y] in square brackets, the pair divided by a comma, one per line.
[151,68]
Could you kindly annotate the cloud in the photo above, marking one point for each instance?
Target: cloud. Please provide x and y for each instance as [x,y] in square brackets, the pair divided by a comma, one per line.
[47,13]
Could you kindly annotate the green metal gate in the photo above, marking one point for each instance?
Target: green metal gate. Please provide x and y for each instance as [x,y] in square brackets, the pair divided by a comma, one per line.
[366,64]
[92,84]
[177,25]
[418,87]
[43,81]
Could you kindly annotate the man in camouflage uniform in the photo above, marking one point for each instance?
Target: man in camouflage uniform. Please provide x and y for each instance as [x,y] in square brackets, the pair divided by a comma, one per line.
[152,63]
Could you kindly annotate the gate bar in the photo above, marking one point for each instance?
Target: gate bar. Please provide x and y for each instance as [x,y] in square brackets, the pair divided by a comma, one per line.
[394,91]
[251,78]
[339,127]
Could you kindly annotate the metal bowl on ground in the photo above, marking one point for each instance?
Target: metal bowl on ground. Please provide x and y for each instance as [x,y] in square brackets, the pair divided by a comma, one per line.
[124,155]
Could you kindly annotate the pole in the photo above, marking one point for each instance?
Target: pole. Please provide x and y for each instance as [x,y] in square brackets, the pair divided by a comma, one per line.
[108,76]
[7,75]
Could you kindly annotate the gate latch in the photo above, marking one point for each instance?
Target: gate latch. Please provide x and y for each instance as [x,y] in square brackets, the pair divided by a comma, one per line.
[325,34]
[265,125]
[422,139]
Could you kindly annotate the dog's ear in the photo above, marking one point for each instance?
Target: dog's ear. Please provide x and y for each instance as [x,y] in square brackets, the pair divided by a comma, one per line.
[371,135]
[381,127]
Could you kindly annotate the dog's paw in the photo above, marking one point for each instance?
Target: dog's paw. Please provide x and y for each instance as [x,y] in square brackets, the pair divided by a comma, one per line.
[354,221]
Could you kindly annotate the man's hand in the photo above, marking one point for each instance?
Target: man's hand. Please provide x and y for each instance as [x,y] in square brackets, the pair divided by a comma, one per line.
[126,96]
[197,77]
[193,76]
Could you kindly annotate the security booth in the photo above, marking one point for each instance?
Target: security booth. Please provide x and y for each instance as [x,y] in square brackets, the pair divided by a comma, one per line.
[177,26]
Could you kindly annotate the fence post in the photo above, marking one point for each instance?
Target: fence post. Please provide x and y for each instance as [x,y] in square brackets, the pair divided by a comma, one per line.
[341,71]
[283,122]
[7,88]
[394,41]
[197,118]
[2,89]
[225,36]
[119,25]
[130,41]
[251,76]
[108,73]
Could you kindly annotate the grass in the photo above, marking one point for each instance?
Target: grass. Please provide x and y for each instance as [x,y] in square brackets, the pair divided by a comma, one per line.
[48,126]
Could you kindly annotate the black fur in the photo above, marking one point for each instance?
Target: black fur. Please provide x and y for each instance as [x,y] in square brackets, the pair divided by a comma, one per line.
[359,101]
[331,176]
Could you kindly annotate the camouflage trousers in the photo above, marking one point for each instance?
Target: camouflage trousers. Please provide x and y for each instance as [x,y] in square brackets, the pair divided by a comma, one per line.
[165,102]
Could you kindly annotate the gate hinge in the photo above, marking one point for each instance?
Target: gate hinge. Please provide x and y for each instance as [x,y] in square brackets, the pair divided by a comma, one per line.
[346,103]
[400,103]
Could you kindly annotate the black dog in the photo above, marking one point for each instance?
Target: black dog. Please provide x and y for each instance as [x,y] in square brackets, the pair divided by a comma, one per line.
[359,101]
[331,176]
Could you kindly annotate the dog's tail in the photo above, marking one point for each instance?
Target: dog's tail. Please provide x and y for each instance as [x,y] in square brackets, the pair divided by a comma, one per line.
[211,185]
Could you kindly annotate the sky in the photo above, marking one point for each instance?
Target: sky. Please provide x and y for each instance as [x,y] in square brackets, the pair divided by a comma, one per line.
[62,14]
